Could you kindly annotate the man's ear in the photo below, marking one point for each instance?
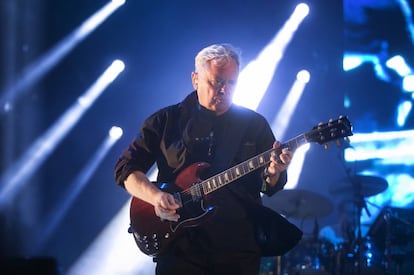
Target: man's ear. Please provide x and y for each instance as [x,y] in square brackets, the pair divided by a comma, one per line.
[194,79]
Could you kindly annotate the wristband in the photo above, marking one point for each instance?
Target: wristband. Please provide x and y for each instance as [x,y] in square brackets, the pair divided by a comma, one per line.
[267,174]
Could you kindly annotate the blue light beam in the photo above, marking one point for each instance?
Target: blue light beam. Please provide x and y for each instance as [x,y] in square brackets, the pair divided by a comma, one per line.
[257,75]
[15,177]
[77,186]
[48,61]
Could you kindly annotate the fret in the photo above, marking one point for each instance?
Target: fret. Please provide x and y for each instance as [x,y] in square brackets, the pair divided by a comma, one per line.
[237,170]
[214,183]
[209,187]
[244,167]
[251,165]
[231,173]
[295,143]
[256,162]
[226,177]
[220,180]
[261,159]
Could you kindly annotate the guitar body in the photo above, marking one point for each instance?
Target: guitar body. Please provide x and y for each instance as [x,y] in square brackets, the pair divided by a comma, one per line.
[152,235]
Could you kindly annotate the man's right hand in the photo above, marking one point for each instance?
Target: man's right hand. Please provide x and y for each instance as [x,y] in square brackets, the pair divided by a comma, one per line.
[166,207]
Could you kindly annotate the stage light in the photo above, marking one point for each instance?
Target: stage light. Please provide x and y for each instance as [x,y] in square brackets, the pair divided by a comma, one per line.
[49,60]
[282,119]
[257,75]
[288,107]
[15,177]
[352,60]
[303,76]
[408,83]
[398,64]
[115,132]
[114,251]
[296,165]
[118,2]
[408,16]
[76,187]
[403,111]
[347,102]
[402,189]
[395,147]
[302,10]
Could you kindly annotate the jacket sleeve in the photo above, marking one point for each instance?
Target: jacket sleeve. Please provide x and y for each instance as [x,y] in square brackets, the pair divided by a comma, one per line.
[270,190]
[141,152]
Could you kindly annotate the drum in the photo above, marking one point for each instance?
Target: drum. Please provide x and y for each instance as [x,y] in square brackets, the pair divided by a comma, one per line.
[372,258]
[310,256]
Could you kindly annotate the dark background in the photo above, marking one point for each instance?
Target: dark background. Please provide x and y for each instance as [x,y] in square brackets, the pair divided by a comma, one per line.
[157,40]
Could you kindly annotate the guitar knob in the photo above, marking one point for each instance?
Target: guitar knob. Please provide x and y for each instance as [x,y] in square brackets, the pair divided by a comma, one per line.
[167,235]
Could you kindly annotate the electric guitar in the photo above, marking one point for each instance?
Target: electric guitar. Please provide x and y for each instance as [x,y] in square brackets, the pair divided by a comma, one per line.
[153,236]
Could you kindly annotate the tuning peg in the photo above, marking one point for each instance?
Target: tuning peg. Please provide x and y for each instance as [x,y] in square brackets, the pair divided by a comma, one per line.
[326,146]
[338,143]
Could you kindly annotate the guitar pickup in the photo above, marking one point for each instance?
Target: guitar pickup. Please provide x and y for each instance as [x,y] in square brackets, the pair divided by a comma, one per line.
[177,198]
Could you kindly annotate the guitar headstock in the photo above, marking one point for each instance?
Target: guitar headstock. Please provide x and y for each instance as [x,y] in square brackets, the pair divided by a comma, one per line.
[332,130]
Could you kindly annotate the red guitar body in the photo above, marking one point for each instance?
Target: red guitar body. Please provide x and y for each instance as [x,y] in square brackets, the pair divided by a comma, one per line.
[151,234]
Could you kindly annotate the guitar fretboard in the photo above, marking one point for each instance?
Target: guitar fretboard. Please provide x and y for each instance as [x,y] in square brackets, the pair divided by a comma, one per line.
[212,184]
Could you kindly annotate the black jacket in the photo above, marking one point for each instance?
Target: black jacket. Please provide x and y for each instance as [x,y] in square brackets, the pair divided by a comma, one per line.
[179,135]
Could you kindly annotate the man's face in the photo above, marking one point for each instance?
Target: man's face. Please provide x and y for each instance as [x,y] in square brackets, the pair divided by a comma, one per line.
[215,85]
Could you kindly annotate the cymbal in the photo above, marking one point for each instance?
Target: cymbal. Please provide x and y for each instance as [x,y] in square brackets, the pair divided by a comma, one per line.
[364,186]
[299,203]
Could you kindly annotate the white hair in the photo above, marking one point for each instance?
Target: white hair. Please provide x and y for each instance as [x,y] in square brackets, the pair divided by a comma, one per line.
[218,53]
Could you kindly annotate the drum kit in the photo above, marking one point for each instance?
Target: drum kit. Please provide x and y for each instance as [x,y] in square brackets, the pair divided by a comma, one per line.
[344,250]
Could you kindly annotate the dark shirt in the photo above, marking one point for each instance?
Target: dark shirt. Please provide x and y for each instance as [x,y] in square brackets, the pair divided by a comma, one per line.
[182,134]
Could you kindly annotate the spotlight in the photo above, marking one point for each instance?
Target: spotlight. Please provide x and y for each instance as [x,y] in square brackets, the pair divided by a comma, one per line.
[398,64]
[115,132]
[118,2]
[302,9]
[408,83]
[303,76]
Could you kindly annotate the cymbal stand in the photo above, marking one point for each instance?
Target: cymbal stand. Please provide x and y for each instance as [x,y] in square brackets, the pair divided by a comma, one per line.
[361,205]
[387,253]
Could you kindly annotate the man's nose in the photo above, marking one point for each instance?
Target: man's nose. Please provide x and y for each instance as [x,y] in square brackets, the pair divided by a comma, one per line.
[225,85]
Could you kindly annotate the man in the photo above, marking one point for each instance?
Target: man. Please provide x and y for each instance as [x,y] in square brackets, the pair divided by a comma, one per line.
[206,127]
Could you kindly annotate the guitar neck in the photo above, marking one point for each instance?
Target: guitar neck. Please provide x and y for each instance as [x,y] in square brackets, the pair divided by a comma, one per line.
[212,184]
